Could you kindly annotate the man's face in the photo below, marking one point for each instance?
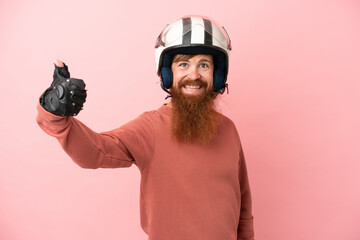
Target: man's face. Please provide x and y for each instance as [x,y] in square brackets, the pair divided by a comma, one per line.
[193,118]
[193,76]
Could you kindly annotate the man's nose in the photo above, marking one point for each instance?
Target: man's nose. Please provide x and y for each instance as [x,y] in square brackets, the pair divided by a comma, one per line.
[193,73]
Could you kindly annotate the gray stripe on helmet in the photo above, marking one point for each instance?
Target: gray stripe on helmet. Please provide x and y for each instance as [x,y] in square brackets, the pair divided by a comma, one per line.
[208,32]
[186,39]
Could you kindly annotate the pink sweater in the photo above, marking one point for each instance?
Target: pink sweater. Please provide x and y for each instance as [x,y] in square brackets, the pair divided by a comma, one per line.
[187,191]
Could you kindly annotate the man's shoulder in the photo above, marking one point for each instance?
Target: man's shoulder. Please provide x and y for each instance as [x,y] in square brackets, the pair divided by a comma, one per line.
[224,118]
[153,117]
[162,110]
[226,124]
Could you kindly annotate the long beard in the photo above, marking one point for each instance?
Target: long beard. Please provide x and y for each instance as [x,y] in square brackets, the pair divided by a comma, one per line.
[193,119]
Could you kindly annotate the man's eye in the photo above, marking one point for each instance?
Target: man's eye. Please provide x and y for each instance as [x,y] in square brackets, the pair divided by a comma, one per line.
[182,65]
[203,65]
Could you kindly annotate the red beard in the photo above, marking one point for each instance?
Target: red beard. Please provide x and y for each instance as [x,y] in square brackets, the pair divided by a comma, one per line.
[193,119]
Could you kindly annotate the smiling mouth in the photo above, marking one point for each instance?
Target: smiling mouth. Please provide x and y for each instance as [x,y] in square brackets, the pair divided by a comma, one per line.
[192,87]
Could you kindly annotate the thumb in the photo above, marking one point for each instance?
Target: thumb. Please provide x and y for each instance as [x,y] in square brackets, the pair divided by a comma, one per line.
[61,70]
[59,63]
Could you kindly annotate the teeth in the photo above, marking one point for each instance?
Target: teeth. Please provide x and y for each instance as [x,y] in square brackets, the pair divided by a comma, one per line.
[191,87]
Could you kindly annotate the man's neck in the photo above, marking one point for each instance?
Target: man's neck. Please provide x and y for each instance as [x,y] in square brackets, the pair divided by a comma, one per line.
[169,104]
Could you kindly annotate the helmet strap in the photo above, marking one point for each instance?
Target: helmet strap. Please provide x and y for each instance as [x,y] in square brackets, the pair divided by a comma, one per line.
[222,90]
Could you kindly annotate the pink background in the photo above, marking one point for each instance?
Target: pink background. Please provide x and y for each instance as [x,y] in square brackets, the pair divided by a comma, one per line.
[294,96]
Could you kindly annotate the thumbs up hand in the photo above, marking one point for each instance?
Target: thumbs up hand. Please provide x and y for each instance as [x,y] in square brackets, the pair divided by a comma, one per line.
[65,96]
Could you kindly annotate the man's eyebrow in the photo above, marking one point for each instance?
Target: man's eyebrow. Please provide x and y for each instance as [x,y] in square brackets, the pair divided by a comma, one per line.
[205,60]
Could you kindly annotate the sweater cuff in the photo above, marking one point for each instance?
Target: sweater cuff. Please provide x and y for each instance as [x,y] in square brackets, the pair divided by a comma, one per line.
[49,122]
[246,229]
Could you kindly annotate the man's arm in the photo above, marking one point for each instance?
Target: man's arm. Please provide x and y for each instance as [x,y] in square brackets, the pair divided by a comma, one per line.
[87,148]
[246,225]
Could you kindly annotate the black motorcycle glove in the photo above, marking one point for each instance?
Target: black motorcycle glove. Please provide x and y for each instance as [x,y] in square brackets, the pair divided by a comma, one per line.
[65,96]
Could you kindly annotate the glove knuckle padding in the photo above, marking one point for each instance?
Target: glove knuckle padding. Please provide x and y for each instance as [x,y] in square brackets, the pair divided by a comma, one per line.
[65,96]
[77,83]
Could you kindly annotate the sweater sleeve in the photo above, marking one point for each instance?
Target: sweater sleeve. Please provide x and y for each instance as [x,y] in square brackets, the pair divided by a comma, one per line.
[246,225]
[131,143]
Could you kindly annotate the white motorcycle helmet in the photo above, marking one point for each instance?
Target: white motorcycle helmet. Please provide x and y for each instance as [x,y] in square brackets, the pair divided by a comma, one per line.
[193,35]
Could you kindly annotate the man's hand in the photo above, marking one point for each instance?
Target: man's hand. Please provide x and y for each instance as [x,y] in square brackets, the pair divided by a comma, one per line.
[65,96]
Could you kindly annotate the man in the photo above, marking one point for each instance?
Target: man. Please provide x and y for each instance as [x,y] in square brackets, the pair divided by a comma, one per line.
[194,182]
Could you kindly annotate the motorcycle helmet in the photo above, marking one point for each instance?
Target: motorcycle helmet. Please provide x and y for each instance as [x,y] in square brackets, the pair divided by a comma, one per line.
[193,35]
